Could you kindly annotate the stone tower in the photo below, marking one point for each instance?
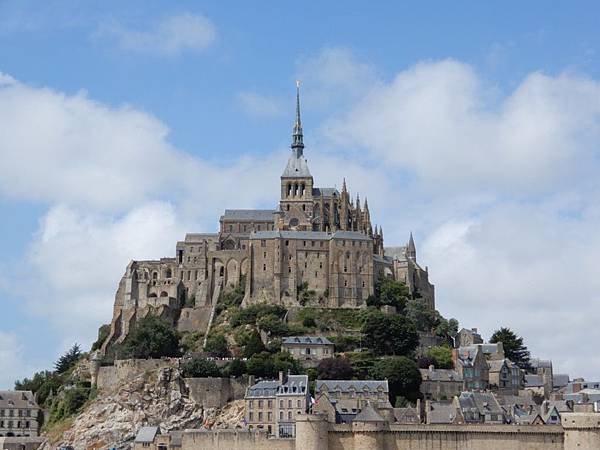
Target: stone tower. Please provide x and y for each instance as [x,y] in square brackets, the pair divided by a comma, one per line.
[296,202]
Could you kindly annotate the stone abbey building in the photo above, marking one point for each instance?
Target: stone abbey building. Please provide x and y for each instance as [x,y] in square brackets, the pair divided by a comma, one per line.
[317,248]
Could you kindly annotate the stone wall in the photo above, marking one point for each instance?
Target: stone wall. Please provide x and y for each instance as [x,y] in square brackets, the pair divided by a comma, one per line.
[215,392]
[233,440]
[110,377]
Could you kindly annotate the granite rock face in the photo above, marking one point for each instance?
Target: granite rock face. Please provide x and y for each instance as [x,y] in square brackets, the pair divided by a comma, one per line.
[157,398]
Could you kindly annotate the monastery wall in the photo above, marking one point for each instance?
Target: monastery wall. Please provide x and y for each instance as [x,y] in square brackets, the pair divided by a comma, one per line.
[233,440]
[215,392]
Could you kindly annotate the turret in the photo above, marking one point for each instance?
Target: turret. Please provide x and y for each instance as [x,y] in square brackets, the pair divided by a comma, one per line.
[411,250]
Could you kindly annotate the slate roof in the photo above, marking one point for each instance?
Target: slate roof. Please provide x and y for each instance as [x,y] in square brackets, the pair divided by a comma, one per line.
[325,192]
[147,434]
[296,167]
[346,385]
[533,380]
[368,414]
[309,235]
[483,402]
[249,215]
[406,415]
[17,399]
[560,380]
[440,375]
[308,340]
[200,237]
[295,384]
[267,388]
[527,419]
[441,412]
[540,363]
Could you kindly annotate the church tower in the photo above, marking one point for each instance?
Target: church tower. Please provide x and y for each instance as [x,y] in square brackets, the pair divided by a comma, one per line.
[296,202]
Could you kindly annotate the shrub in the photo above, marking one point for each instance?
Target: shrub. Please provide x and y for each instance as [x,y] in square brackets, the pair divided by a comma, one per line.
[335,369]
[103,333]
[249,315]
[442,356]
[235,368]
[152,337]
[216,345]
[272,325]
[200,368]
[253,345]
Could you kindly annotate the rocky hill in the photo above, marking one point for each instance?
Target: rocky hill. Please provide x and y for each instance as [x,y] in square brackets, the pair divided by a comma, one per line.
[158,398]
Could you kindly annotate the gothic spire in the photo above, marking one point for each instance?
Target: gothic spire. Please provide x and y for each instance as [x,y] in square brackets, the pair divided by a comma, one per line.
[412,250]
[344,185]
[297,137]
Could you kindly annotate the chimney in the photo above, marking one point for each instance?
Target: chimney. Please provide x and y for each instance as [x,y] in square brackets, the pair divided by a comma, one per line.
[251,380]
[282,377]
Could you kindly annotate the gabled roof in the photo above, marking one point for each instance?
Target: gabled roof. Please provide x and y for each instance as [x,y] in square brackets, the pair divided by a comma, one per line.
[406,415]
[147,434]
[440,375]
[441,412]
[17,399]
[352,385]
[483,402]
[368,414]
[308,340]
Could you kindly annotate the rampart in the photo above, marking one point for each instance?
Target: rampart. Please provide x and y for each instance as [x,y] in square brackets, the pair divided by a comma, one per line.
[215,392]
[110,377]
[580,431]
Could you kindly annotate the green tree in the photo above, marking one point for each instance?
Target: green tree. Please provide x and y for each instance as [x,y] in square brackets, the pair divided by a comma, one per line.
[216,345]
[254,344]
[41,384]
[200,368]
[388,334]
[335,369]
[389,292]
[514,349]
[68,360]
[235,368]
[261,365]
[442,356]
[152,337]
[272,325]
[402,373]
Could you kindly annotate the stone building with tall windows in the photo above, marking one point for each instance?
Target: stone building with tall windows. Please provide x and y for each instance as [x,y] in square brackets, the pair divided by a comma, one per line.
[19,414]
[317,248]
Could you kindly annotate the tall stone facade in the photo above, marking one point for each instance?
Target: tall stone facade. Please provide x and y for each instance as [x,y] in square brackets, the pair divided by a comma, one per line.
[317,248]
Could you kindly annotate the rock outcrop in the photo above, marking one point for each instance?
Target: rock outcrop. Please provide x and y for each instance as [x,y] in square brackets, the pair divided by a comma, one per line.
[156,398]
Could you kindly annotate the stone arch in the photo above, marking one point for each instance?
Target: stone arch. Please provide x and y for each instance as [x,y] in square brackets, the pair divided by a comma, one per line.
[164,294]
[219,268]
[155,275]
[294,222]
[152,295]
[232,272]
[245,267]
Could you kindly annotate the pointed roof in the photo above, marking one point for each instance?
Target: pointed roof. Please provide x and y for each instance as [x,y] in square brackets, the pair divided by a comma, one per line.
[296,165]
[297,137]
[368,414]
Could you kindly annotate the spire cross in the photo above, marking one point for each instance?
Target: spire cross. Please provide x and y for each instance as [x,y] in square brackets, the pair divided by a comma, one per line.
[297,137]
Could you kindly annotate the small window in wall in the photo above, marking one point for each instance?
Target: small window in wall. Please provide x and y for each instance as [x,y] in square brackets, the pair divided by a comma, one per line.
[312,243]
[289,269]
[345,269]
[363,284]
[287,243]
[287,207]
[345,283]
[316,274]
[304,243]
[320,265]
[231,228]
[264,267]
[244,227]
[264,254]
[303,207]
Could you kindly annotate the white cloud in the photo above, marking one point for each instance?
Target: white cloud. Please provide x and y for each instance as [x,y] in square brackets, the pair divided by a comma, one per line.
[439,121]
[11,360]
[258,105]
[171,36]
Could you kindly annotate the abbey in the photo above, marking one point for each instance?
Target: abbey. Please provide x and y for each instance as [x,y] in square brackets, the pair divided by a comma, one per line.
[317,248]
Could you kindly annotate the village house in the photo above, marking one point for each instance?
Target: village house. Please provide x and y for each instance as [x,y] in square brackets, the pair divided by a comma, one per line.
[272,405]
[505,377]
[440,384]
[19,414]
[309,350]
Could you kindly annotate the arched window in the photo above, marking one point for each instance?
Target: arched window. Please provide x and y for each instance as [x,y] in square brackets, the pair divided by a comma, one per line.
[155,275]
[169,273]
[222,271]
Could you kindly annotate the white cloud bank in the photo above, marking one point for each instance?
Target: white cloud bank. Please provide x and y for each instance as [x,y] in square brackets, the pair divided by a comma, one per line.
[495,187]
[171,36]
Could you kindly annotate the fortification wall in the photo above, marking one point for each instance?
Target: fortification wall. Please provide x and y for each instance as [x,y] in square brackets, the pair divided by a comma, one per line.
[233,440]
[110,377]
[215,392]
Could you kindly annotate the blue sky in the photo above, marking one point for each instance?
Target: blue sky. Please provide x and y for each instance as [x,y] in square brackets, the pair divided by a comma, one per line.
[473,124]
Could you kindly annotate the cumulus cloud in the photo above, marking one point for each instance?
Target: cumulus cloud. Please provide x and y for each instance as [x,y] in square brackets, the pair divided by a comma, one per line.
[171,36]
[440,121]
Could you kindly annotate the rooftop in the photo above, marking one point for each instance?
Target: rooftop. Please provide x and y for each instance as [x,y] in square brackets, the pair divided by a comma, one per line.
[309,340]
[310,235]
[250,215]
[17,399]
[352,385]
[147,434]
